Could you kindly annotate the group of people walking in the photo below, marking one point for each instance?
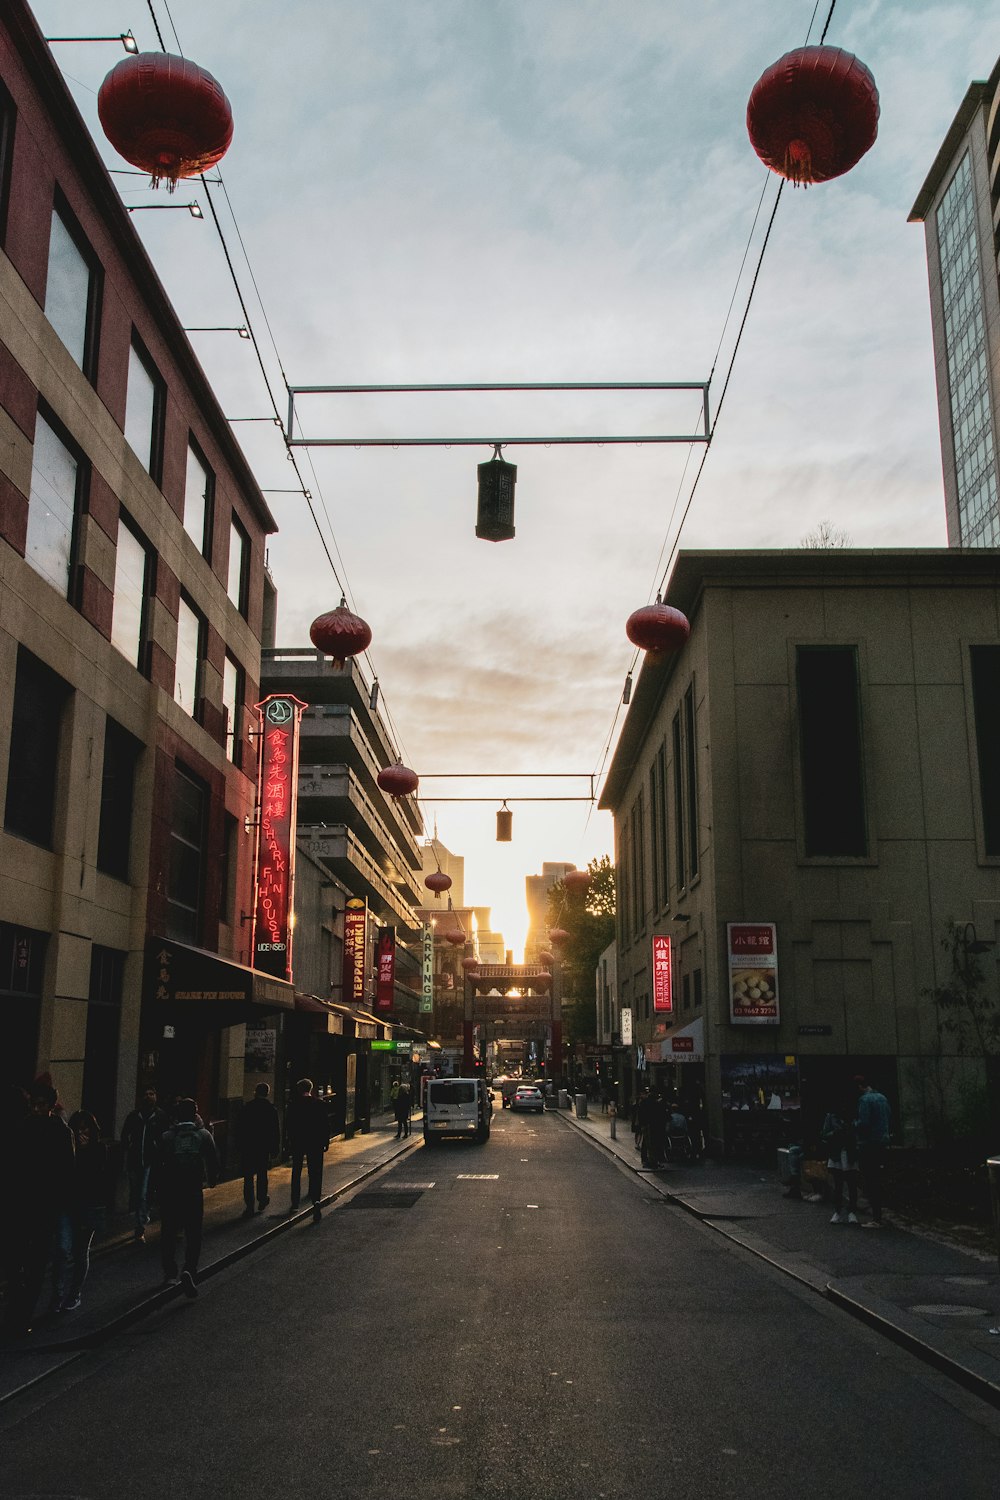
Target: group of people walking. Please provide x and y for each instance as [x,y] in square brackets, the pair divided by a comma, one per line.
[855,1137]
[662,1130]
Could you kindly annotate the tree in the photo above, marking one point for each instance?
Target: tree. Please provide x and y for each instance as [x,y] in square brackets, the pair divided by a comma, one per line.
[957,1089]
[826,537]
[590,922]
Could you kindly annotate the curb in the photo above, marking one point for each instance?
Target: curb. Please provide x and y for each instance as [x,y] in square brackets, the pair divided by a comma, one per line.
[75,1347]
[978,1385]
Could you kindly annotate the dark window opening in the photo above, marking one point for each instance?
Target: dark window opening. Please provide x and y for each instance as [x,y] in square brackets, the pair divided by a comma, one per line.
[985,662]
[680,852]
[833,802]
[6,152]
[32,769]
[691,777]
[185,878]
[114,839]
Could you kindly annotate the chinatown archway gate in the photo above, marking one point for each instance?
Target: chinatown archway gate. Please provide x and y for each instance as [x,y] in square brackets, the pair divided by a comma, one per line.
[512,1002]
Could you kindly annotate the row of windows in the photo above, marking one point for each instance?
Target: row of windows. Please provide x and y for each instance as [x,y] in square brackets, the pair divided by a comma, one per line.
[832,782]
[41,698]
[55,504]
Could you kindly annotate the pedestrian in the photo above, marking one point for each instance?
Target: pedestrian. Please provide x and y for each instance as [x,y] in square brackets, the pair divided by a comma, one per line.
[258,1135]
[640,1125]
[678,1138]
[656,1149]
[872,1123]
[307,1127]
[141,1136]
[402,1109]
[86,1212]
[40,1192]
[838,1138]
[188,1159]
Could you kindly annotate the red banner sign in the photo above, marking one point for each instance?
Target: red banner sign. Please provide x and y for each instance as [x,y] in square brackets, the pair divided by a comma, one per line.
[277,786]
[385,969]
[355,950]
[663,991]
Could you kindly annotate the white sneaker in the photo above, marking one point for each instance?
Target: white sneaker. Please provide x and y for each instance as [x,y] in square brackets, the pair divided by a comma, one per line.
[853,1219]
[838,1218]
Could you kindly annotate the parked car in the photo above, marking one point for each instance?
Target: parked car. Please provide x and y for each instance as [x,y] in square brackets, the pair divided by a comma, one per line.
[527,1096]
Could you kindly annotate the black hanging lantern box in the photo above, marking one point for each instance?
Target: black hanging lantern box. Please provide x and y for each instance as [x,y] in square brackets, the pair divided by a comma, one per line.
[495,518]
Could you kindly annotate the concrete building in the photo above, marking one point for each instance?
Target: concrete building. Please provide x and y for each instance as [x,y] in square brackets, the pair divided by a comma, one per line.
[133,590]
[807,805]
[959,206]
[434,856]
[536,895]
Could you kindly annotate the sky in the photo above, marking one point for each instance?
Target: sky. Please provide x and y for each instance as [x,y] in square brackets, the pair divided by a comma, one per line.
[549,191]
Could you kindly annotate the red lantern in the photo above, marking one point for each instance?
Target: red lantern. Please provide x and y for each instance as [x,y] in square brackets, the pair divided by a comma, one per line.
[577,882]
[437,881]
[558,935]
[398,780]
[540,981]
[468,964]
[456,939]
[813,114]
[165,115]
[546,958]
[340,634]
[657,628]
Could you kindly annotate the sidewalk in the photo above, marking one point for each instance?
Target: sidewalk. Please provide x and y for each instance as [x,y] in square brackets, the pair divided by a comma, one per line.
[125,1277]
[926,1291]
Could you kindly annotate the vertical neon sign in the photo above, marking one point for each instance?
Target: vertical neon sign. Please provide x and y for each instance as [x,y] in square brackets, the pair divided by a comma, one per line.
[663,991]
[274,865]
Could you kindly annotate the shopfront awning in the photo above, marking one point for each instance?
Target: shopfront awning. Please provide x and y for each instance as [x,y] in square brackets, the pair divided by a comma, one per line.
[683,1042]
[194,985]
[325,1018]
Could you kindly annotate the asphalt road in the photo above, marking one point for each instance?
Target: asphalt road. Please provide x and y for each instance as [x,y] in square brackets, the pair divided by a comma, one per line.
[518,1319]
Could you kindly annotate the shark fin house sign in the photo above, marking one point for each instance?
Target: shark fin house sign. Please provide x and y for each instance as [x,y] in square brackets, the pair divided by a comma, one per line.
[274,867]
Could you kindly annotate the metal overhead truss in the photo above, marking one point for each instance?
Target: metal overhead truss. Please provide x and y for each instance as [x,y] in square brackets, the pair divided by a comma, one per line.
[319,441]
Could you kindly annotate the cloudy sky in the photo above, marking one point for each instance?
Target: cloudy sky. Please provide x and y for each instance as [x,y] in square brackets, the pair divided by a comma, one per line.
[473,191]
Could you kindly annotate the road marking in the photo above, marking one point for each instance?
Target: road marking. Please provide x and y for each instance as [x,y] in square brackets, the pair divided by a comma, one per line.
[531,1205]
[478,1177]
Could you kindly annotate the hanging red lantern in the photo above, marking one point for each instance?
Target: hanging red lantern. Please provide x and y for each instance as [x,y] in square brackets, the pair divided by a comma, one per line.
[577,882]
[540,981]
[813,114]
[340,633]
[657,628]
[437,881]
[546,958]
[558,935]
[456,939]
[468,964]
[165,115]
[398,780]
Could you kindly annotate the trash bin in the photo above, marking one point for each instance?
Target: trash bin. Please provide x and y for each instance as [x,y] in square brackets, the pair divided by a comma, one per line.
[790,1170]
[993,1171]
[564,1099]
[581,1106]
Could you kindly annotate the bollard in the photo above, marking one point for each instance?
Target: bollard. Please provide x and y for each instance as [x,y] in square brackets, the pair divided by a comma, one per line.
[613,1112]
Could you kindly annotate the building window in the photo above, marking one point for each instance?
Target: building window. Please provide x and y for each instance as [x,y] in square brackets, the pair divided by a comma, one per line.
[833,803]
[658,829]
[691,781]
[133,569]
[185,880]
[232,703]
[114,838]
[6,151]
[686,992]
[239,565]
[72,290]
[187,666]
[637,839]
[968,357]
[32,768]
[144,403]
[199,485]
[697,989]
[680,850]
[53,505]
[985,662]
[624,878]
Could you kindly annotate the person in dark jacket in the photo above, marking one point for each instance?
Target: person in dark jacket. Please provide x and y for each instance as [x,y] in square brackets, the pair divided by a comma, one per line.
[41,1190]
[85,1215]
[402,1109]
[188,1159]
[141,1135]
[307,1124]
[258,1134]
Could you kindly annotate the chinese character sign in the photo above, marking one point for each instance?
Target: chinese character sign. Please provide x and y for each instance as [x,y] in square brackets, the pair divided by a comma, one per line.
[663,993]
[626,1025]
[355,950]
[385,968]
[427,967]
[753,973]
[277,785]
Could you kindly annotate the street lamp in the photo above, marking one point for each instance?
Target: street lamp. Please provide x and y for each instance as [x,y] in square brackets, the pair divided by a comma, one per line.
[126,38]
[194,209]
[973,944]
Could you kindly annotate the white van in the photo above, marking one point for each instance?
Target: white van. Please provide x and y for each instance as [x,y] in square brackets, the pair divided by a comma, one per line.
[457,1106]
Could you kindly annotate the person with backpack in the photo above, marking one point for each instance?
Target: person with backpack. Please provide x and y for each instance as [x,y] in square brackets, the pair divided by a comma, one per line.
[188,1159]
